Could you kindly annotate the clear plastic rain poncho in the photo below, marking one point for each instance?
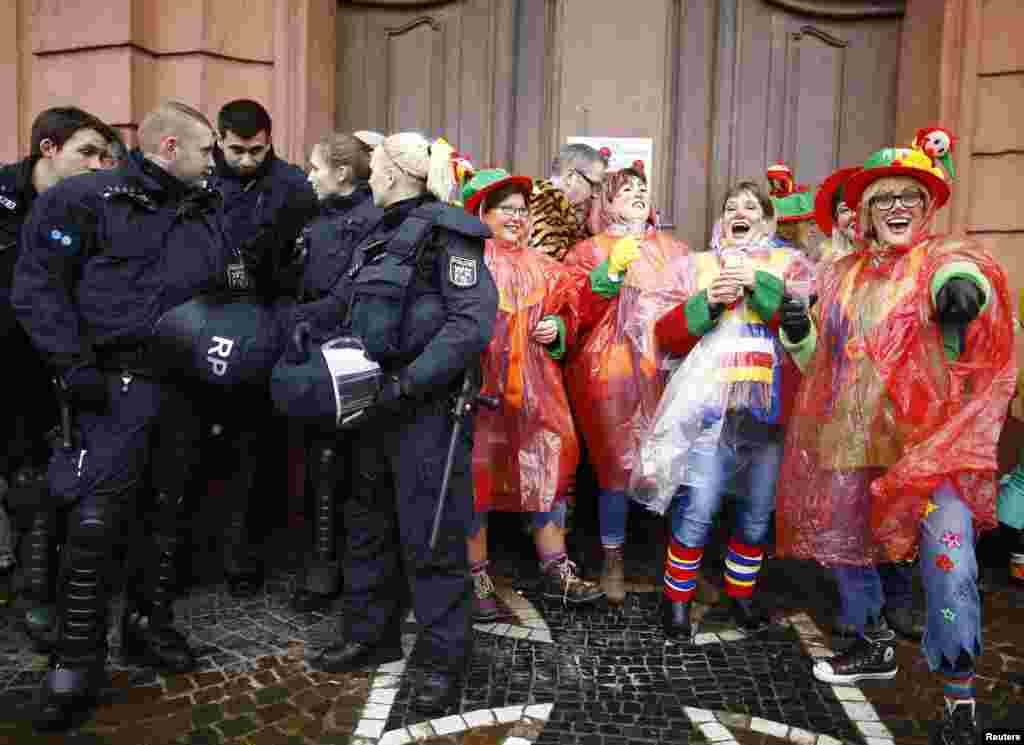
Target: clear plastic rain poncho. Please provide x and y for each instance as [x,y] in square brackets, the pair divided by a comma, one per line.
[526,452]
[615,379]
[883,417]
[738,370]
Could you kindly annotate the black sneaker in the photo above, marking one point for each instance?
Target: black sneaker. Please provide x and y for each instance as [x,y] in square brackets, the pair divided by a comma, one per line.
[958,727]
[871,657]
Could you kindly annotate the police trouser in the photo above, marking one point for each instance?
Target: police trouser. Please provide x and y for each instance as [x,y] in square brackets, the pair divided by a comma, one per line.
[397,466]
[248,422]
[28,406]
[119,441]
[326,458]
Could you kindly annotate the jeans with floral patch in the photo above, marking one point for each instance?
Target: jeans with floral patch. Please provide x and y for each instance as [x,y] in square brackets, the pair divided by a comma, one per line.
[949,572]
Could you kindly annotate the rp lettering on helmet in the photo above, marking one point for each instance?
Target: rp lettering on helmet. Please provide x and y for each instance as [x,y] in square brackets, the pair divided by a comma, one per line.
[221,348]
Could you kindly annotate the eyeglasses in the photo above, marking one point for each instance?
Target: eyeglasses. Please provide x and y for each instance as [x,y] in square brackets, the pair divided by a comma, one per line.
[595,186]
[908,200]
[843,210]
[514,211]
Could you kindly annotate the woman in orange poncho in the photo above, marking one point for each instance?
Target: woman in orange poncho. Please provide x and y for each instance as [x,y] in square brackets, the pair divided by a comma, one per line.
[891,453]
[525,453]
[614,383]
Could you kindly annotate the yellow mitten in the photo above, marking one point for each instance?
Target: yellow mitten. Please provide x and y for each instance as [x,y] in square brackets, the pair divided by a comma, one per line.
[624,252]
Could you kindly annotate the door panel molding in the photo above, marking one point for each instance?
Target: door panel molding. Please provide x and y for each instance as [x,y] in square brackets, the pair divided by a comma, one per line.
[844,10]
[395,40]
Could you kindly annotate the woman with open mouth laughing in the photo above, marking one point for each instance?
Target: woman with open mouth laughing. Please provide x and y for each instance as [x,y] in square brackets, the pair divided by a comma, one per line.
[720,419]
[908,371]
[614,378]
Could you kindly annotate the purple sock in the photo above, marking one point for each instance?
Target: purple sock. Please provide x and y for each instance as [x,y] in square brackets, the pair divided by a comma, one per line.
[549,560]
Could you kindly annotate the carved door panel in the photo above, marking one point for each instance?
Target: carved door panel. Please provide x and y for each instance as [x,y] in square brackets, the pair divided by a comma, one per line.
[443,68]
[815,87]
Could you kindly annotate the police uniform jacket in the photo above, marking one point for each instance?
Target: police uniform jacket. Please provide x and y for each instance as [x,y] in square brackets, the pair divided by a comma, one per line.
[17,195]
[326,245]
[427,315]
[264,215]
[104,255]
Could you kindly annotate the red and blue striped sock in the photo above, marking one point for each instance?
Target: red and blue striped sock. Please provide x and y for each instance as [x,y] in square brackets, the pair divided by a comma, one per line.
[681,567]
[742,565]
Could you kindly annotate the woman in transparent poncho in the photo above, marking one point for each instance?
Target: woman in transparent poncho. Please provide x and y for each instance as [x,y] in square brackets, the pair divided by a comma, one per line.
[721,416]
[525,453]
[908,372]
[615,379]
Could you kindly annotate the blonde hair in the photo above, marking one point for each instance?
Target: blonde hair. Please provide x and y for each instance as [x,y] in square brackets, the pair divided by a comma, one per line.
[416,157]
[166,120]
[338,149]
[886,183]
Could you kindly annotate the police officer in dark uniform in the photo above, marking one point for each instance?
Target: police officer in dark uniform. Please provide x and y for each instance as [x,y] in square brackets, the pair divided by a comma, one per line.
[267,202]
[419,296]
[103,256]
[338,170]
[66,141]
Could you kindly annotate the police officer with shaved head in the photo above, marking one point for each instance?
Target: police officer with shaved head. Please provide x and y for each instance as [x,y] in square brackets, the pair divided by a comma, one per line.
[103,257]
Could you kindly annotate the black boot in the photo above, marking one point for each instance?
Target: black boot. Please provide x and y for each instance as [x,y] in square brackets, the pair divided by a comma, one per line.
[147,634]
[77,667]
[438,691]
[748,615]
[322,576]
[675,619]
[958,726]
[351,656]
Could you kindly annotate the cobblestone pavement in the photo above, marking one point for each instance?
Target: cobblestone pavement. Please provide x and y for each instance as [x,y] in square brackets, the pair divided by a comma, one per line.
[543,674]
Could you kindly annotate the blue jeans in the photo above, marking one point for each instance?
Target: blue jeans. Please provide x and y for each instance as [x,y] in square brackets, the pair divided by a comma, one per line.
[869,589]
[613,511]
[755,466]
[949,571]
[539,519]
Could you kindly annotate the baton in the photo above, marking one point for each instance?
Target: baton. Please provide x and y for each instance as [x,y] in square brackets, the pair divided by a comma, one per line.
[65,413]
[464,404]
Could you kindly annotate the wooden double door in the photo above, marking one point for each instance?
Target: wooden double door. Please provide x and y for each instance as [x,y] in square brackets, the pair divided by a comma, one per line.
[722,87]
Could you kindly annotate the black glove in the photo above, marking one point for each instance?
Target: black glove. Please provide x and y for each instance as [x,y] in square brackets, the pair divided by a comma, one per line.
[296,351]
[86,386]
[794,319]
[959,301]
[393,394]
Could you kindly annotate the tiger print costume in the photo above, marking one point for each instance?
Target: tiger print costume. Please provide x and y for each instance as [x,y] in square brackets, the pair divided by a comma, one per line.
[556,228]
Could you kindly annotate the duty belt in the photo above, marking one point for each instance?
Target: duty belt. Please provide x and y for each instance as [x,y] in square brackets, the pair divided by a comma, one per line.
[133,359]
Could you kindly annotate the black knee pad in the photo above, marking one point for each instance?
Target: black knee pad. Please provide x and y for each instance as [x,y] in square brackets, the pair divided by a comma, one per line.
[90,528]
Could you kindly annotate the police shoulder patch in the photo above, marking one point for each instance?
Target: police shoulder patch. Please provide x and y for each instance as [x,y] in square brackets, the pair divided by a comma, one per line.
[462,272]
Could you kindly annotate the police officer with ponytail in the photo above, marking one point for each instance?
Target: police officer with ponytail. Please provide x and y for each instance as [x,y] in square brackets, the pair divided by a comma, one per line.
[419,297]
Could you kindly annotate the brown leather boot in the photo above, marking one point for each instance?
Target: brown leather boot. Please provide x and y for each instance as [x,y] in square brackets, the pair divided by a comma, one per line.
[613,579]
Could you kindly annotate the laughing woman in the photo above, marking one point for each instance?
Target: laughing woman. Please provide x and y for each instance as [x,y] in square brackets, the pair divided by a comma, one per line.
[525,453]
[722,413]
[615,378]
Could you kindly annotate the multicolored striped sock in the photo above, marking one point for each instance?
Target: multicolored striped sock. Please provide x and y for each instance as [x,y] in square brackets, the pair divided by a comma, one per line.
[549,560]
[681,566]
[742,565]
[958,687]
[479,567]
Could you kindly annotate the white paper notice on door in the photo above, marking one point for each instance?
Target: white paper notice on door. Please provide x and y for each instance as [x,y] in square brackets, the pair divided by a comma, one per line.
[624,151]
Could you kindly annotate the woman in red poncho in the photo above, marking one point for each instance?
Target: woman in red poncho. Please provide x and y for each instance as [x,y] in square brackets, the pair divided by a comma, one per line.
[525,453]
[891,452]
[614,378]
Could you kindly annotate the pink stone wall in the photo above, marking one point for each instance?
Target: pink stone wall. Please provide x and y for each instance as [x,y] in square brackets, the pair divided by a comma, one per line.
[118,59]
